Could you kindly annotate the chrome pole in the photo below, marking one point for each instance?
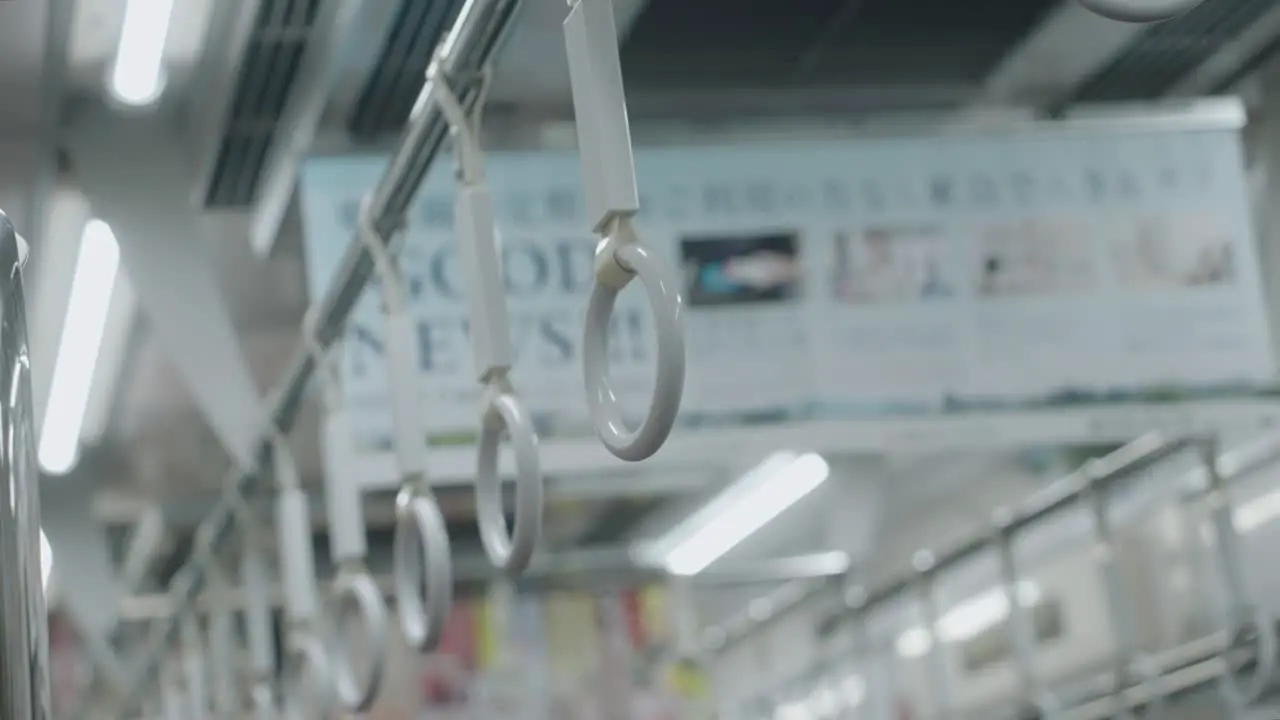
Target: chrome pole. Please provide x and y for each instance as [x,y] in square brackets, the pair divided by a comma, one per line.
[24,632]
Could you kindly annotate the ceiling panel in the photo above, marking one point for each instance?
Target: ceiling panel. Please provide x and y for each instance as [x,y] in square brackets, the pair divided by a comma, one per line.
[1165,53]
[23,31]
[272,58]
[764,43]
[389,91]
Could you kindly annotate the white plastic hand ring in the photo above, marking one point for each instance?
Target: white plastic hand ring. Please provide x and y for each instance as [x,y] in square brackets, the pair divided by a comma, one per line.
[309,684]
[1240,692]
[359,591]
[668,314]
[1139,11]
[423,571]
[510,551]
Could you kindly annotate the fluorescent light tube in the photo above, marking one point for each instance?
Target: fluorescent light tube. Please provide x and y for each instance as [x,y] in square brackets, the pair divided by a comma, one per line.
[73,370]
[1258,512]
[111,360]
[137,76]
[748,505]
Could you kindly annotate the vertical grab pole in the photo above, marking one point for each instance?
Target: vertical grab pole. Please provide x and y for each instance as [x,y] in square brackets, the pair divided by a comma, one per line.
[24,668]
[1238,609]
[222,684]
[192,648]
[1022,635]
[939,678]
[257,621]
[1244,622]
[881,684]
[1118,605]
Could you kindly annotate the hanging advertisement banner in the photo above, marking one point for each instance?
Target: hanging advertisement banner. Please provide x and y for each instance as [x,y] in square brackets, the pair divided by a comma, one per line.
[1057,266]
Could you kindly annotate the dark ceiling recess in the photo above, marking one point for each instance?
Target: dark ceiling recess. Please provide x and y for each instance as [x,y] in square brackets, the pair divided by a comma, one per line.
[681,44]
[271,60]
[390,90]
[1164,54]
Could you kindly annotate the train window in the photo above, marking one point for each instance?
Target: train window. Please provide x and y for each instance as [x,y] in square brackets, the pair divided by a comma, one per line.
[992,646]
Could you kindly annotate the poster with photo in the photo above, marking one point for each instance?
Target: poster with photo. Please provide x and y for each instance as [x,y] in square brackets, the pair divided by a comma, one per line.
[883,326]
[1168,251]
[1036,256]
[745,291]
[741,270]
[69,669]
[1177,276]
[1038,268]
[882,265]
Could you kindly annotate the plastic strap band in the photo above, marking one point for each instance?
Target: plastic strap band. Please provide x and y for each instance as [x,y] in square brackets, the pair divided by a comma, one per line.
[344,500]
[257,611]
[293,520]
[600,113]
[409,433]
[481,260]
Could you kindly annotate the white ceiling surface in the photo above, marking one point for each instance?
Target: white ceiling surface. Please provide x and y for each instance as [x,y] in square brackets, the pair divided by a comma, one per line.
[533,69]
[23,27]
[22,55]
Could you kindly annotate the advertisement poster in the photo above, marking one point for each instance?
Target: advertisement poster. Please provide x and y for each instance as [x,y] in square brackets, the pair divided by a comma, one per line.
[69,671]
[845,279]
[558,656]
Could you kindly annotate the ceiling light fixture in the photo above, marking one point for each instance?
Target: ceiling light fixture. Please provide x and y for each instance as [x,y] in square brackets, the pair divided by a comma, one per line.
[91,288]
[137,75]
[747,505]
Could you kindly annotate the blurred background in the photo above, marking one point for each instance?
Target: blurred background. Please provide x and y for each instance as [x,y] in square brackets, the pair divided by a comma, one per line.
[935,254]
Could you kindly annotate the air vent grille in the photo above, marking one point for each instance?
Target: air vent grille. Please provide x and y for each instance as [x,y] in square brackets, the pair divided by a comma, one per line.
[388,93]
[1164,54]
[862,43]
[274,52]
